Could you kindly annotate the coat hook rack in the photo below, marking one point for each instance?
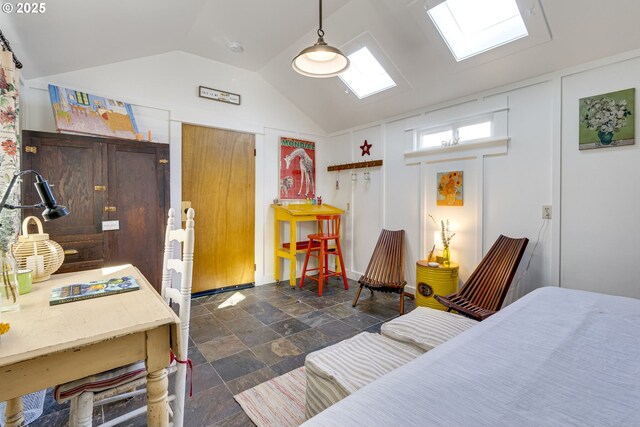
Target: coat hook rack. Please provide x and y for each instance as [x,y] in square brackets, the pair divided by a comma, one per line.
[356,165]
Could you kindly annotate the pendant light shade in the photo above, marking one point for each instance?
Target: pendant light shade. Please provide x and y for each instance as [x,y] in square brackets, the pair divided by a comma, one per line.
[320,60]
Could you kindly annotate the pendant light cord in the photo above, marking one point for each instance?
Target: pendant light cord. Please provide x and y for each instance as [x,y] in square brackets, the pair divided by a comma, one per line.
[320,31]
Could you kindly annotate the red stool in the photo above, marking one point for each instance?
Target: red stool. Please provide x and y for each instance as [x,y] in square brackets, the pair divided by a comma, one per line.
[328,229]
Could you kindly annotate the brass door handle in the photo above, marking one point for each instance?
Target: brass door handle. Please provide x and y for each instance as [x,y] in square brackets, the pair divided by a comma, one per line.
[71,252]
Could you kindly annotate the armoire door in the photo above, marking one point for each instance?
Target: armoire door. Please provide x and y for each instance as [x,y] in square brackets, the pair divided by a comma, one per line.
[101,179]
[138,198]
[218,178]
[76,170]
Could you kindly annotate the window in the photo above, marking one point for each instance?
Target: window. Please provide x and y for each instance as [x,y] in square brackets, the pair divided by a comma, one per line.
[435,139]
[470,27]
[366,76]
[457,133]
[474,131]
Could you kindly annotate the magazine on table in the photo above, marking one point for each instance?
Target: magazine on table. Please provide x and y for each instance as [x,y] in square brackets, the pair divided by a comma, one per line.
[96,289]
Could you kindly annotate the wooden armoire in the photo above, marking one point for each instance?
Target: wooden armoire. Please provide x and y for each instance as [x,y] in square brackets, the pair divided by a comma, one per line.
[102,179]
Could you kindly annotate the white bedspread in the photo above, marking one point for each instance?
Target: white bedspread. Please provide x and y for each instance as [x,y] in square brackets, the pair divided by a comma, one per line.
[556,357]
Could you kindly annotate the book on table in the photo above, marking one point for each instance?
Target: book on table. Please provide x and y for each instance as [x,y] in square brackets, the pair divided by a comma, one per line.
[96,289]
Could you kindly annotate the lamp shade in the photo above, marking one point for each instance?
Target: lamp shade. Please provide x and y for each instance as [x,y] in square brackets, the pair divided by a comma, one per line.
[53,210]
[437,240]
[36,252]
[58,212]
[320,60]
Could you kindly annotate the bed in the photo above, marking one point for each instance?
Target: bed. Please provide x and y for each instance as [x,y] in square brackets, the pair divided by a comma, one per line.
[556,357]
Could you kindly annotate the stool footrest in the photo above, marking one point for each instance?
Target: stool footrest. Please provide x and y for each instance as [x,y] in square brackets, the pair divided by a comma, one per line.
[301,245]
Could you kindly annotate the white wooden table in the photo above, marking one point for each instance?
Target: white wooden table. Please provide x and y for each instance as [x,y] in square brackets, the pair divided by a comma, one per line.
[50,345]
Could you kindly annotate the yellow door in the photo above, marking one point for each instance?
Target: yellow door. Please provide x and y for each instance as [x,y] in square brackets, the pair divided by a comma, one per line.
[218,178]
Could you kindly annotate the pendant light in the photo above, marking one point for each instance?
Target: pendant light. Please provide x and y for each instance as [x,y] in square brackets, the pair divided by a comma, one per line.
[320,60]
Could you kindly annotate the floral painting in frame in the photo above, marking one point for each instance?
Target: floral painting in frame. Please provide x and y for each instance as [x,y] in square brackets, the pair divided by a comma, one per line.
[607,120]
[450,186]
[297,169]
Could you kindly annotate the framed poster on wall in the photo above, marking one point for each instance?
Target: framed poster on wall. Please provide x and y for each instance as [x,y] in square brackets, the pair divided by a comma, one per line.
[297,168]
[605,121]
[450,189]
[82,112]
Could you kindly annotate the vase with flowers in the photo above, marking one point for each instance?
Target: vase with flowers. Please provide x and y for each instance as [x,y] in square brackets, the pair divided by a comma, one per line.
[9,283]
[8,264]
[445,235]
[606,116]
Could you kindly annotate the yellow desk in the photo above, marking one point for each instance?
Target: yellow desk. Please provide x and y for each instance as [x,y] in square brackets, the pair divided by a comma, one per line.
[293,214]
[49,345]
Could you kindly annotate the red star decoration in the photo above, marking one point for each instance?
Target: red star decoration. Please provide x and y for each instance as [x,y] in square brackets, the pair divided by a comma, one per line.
[365,148]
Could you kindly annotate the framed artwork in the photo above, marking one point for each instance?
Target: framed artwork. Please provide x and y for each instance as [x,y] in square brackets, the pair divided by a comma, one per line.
[297,169]
[450,186]
[607,120]
[218,95]
[76,111]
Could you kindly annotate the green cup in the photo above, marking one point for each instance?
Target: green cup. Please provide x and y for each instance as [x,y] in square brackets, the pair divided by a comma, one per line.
[24,281]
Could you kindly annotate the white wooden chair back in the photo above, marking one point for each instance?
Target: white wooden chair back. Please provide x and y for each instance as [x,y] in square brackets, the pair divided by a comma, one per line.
[183,265]
[81,411]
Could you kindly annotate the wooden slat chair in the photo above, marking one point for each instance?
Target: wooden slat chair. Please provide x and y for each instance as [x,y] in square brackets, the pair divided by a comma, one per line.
[484,292]
[125,382]
[385,272]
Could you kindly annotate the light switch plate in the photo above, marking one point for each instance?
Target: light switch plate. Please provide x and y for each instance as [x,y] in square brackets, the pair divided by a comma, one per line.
[110,225]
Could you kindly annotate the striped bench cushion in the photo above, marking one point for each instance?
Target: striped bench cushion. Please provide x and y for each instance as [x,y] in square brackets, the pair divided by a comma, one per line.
[335,372]
[100,382]
[425,328]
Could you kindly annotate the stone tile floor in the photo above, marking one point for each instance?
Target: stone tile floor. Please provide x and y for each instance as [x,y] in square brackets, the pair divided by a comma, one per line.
[243,338]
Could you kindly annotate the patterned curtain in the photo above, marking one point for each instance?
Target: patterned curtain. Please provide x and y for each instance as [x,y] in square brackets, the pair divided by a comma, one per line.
[10,144]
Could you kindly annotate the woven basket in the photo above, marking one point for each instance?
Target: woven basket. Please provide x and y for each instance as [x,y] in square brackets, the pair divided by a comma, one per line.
[37,253]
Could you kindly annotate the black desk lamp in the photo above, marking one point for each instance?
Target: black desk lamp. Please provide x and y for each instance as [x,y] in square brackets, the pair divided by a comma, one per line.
[52,209]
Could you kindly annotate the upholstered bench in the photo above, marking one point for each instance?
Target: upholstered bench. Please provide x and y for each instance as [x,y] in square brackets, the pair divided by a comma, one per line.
[335,372]
[425,328]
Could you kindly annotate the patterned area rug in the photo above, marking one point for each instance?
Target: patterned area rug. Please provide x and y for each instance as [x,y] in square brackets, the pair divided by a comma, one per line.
[278,402]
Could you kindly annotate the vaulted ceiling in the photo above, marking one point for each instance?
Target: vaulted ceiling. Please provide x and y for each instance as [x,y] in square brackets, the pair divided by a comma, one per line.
[76,34]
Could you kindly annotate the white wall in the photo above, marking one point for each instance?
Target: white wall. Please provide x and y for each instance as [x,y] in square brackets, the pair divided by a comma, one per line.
[591,242]
[600,192]
[518,184]
[503,193]
[164,92]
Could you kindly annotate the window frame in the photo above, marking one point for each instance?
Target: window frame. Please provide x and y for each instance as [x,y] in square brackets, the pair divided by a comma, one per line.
[454,126]
[378,90]
[441,15]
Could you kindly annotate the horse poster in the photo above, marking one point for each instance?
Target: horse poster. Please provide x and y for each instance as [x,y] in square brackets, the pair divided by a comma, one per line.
[297,169]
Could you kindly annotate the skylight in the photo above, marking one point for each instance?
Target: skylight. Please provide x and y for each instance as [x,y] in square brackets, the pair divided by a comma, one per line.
[366,76]
[470,27]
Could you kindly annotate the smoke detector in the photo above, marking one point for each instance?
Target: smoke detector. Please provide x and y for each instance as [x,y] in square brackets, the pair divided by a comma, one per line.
[235,47]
